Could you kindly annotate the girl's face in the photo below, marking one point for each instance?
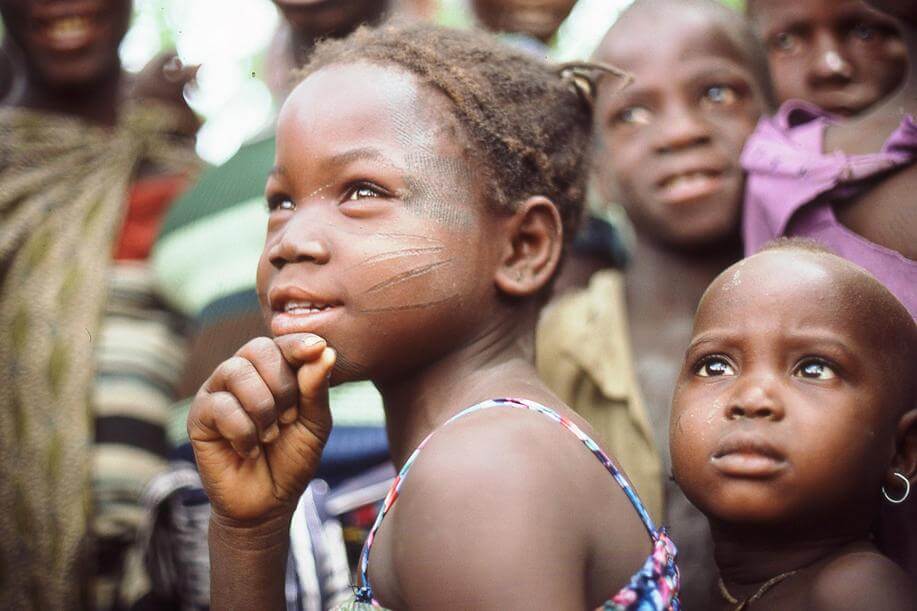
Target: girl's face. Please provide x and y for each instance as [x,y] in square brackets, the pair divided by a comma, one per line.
[781,414]
[378,239]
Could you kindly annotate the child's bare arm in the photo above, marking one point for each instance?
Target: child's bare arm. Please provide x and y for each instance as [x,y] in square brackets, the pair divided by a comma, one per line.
[484,526]
[862,580]
[258,426]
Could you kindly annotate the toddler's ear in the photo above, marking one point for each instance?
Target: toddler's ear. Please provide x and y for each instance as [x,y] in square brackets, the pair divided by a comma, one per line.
[905,461]
[532,252]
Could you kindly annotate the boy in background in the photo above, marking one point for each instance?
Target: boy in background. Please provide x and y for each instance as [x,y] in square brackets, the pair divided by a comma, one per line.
[668,151]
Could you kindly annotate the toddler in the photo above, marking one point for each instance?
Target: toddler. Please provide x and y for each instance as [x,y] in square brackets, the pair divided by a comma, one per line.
[793,420]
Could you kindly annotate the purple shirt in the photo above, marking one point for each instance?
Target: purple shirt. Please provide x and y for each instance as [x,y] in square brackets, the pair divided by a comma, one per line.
[793,185]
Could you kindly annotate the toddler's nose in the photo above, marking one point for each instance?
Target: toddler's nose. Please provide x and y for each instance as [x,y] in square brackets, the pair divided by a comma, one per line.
[755,399]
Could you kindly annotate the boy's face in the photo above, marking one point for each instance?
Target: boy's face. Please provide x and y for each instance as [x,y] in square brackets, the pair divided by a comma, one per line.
[671,141]
[782,412]
[838,54]
[538,18]
[314,18]
[68,44]
[377,239]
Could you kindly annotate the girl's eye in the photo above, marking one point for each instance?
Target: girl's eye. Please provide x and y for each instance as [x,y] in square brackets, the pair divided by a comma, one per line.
[714,366]
[280,202]
[785,42]
[721,95]
[814,369]
[634,115]
[362,192]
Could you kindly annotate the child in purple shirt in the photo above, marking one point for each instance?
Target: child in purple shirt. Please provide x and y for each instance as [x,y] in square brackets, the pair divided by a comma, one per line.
[851,185]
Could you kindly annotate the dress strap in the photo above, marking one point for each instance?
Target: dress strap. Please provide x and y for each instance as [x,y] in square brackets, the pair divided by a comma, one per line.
[364,593]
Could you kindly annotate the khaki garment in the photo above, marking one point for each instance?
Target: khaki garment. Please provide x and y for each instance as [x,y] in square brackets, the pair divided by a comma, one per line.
[583,353]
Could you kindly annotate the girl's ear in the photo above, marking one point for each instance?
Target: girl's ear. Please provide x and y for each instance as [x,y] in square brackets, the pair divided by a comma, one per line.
[905,460]
[533,249]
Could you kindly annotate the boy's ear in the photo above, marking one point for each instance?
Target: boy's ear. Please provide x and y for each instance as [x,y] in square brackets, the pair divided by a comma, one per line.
[905,460]
[532,252]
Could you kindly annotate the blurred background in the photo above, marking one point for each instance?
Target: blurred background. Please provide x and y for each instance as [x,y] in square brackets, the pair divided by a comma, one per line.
[230,40]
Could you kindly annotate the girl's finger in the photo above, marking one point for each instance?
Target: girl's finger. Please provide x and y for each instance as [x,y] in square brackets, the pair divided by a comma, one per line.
[245,383]
[219,415]
[274,370]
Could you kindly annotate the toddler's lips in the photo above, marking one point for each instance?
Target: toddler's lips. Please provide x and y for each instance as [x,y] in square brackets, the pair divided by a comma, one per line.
[746,456]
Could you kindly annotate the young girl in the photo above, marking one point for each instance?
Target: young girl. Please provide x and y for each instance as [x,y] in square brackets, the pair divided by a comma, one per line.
[424,181]
[793,420]
[848,185]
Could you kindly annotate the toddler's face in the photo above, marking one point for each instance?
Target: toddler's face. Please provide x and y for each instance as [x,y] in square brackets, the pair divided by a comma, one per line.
[672,139]
[781,413]
[839,54]
[377,239]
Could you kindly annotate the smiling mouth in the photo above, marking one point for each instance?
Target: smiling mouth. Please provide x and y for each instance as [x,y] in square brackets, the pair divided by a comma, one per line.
[688,186]
[305,308]
[67,32]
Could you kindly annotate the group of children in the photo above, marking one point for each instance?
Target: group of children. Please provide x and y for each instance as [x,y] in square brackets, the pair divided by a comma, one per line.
[427,185]
[431,198]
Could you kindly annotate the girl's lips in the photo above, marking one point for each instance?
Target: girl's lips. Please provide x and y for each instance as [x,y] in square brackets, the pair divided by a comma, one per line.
[303,321]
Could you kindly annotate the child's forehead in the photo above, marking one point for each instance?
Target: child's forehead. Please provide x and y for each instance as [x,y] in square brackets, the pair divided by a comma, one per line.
[767,11]
[695,38]
[369,100]
[791,288]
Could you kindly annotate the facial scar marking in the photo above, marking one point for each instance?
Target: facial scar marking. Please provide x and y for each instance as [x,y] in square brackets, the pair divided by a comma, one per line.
[400,253]
[405,276]
[411,306]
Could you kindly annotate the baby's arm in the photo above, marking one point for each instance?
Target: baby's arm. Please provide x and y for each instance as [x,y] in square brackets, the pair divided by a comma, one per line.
[258,426]
[862,580]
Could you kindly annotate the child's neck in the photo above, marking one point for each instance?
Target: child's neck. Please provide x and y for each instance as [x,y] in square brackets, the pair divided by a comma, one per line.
[496,363]
[94,103]
[663,281]
[748,556]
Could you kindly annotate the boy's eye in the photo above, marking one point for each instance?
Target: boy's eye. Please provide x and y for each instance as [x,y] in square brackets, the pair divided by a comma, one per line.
[785,42]
[721,95]
[714,366]
[864,31]
[280,202]
[814,369]
[634,115]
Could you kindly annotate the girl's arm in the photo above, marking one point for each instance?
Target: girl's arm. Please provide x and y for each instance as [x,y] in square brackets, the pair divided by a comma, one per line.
[248,564]
[258,426]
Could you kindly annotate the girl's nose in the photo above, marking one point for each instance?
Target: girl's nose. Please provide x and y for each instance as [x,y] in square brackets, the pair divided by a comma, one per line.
[755,398]
[294,247]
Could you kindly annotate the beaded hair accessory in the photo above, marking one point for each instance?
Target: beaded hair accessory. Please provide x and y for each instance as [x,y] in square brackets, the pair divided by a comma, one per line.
[583,78]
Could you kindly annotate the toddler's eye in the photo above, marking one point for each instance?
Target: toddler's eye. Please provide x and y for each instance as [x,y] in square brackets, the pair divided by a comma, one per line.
[634,115]
[785,42]
[280,202]
[721,95]
[714,366]
[814,369]
[362,192]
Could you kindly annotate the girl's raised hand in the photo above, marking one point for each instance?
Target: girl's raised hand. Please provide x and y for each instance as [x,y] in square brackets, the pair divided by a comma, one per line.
[258,426]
